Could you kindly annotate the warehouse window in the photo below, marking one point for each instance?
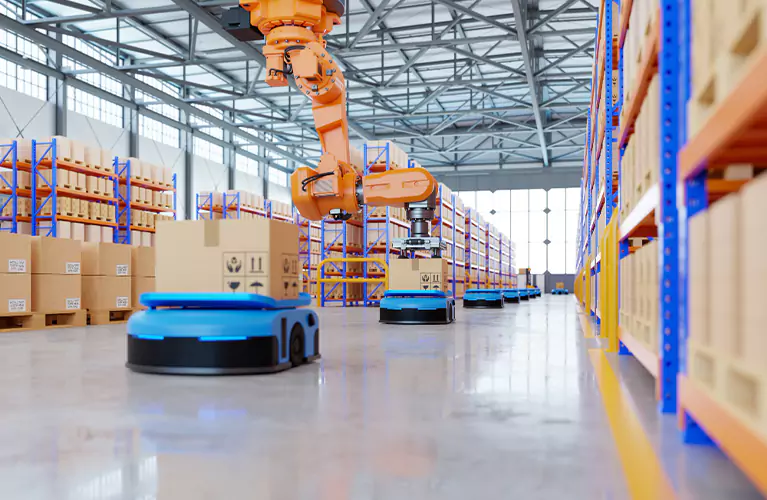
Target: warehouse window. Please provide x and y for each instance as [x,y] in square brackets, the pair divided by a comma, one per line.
[87,74]
[278,177]
[543,224]
[245,163]
[94,107]
[208,150]
[206,126]
[12,75]
[155,129]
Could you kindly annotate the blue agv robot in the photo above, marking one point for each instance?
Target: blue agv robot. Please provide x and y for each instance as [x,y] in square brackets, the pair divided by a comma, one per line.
[417,307]
[221,334]
[511,295]
[479,298]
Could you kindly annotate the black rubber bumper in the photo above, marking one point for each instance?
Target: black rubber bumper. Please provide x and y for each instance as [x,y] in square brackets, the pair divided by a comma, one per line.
[416,316]
[190,356]
[483,304]
[514,300]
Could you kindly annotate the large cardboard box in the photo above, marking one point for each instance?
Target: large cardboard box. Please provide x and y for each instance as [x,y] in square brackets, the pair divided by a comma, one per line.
[143,262]
[55,255]
[15,253]
[106,293]
[15,293]
[232,255]
[139,286]
[418,274]
[56,292]
[106,259]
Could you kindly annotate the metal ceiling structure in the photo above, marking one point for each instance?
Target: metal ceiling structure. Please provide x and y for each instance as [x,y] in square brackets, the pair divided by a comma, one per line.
[464,86]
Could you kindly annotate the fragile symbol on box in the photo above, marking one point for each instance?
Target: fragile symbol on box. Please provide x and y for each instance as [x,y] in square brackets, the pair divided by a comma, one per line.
[17,265]
[122,270]
[75,304]
[233,285]
[233,264]
[121,302]
[73,268]
[17,305]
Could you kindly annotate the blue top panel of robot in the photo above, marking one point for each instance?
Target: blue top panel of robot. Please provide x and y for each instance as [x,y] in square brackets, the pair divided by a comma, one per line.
[415,293]
[222,300]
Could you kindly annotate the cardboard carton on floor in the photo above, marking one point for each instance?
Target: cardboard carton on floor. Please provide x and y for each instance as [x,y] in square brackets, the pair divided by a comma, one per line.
[15,253]
[15,293]
[139,286]
[418,274]
[143,262]
[232,255]
[106,259]
[56,292]
[55,255]
[106,293]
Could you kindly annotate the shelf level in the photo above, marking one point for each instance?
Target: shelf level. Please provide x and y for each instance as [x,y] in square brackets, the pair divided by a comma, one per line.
[69,166]
[640,222]
[647,70]
[74,193]
[148,185]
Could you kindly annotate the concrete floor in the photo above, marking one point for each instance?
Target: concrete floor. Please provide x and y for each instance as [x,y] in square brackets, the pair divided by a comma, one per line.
[501,404]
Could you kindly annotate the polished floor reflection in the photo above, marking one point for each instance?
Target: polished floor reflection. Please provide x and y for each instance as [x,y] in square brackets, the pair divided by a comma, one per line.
[501,404]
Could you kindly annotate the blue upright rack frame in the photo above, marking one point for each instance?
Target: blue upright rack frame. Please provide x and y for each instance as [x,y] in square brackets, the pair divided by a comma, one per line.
[10,188]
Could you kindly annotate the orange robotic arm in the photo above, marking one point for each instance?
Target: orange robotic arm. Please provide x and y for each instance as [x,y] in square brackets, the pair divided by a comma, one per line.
[294,31]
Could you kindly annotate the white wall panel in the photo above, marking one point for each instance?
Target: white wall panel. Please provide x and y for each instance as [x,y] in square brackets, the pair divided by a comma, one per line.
[36,118]
[247,182]
[163,155]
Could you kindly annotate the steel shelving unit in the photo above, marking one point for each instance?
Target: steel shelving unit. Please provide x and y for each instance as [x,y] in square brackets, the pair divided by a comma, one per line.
[476,262]
[124,204]
[49,192]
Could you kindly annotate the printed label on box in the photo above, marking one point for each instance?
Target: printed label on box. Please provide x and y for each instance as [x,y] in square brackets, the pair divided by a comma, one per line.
[121,302]
[73,303]
[17,305]
[122,270]
[17,265]
[73,268]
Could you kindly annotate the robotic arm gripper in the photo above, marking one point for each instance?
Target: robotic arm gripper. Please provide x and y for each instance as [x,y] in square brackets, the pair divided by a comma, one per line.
[294,46]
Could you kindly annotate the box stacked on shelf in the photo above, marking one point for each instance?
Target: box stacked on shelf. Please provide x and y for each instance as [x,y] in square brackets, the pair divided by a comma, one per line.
[639,294]
[376,155]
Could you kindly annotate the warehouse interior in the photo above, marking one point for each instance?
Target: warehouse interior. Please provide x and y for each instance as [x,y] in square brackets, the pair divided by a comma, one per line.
[500,291]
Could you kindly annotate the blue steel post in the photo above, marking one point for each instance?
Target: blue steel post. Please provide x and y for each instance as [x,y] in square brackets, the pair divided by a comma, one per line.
[607,149]
[13,197]
[669,223]
[123,231]
[455,253]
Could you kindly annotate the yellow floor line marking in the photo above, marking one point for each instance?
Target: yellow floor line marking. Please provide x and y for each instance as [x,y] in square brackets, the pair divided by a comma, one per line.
[588,332]
[644,474]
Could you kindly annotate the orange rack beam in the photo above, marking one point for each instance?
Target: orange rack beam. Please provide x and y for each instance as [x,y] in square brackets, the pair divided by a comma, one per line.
[147,185]
[736,131]
[624,25]
[747,449]
[67,165]
[640,222]
[74,193]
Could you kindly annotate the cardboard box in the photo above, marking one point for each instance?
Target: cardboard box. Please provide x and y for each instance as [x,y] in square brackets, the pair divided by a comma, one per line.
[55,256]
[106,259]
[93,157]
[81,181]
[107,160]
[139,286]
[92,233]
[64,230]
[63,147]
[104,188]
[232,255]
[15,293]
[143,262]
[418,274]
[146,239]
[15,253]
[78,231]
[56,292]
[106,293]
[77,149]
[107,234]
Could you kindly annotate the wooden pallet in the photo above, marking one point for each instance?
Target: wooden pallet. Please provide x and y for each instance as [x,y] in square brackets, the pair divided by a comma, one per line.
[110,317]
[41,320]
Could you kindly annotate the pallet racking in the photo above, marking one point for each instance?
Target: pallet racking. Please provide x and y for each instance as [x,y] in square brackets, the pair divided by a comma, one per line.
[9,187]
[126,204]
[45,190]
[679,223]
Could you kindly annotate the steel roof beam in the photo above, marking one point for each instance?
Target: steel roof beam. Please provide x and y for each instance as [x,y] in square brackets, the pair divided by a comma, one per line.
[476,15]
[528,64]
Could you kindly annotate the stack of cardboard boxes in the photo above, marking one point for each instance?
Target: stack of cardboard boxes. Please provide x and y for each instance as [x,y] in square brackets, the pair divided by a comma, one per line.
[142,273]
[377,155]
[15,277]
[106,276]
[56,280]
